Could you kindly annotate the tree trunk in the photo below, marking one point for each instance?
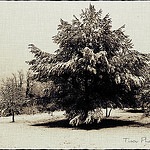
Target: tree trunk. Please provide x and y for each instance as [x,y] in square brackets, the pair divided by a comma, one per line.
[106,110]
[109,112]
[13,116]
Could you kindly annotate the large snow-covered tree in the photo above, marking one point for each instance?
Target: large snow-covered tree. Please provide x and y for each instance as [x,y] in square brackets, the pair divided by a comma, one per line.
[93,68]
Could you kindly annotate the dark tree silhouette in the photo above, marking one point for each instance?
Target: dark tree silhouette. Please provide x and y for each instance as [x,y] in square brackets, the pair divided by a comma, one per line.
[93,68]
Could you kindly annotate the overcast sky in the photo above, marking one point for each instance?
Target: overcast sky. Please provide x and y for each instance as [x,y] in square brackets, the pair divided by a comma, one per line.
[22,23]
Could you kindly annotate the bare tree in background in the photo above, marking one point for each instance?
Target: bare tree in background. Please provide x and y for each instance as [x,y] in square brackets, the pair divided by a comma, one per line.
[12,95]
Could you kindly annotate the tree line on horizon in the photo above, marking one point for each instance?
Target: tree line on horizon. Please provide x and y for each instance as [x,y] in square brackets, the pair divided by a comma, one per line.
[19,94]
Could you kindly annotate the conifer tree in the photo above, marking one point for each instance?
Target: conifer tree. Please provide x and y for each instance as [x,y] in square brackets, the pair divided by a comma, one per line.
[93,68]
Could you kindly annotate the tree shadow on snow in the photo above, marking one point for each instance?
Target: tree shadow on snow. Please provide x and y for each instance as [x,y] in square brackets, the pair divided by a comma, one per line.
[105,123]
[135,111]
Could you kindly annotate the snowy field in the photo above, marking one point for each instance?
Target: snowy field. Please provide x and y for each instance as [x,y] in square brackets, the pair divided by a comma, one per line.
[122,130]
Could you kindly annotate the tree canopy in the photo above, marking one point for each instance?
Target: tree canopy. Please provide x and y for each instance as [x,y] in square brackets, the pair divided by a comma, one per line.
[94,67]
[12,94]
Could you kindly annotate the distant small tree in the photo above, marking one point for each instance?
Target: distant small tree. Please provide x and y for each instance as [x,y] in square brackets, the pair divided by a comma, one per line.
[143,94]
[12,95]
[93,68]
[28,82]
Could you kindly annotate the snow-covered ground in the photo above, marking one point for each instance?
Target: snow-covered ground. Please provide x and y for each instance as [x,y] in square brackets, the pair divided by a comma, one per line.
[46,131]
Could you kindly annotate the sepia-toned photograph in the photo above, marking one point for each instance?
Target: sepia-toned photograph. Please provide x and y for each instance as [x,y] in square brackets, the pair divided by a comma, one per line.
[75,75]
